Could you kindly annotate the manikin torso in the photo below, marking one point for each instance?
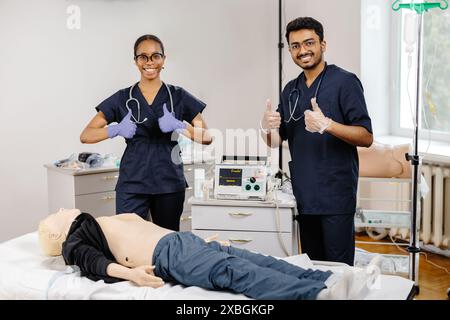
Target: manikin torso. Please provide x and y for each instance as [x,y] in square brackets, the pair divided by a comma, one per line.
[384,161]
[131,239]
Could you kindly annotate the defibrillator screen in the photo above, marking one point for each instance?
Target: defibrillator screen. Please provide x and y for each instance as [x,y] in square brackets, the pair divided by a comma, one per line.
[230,177]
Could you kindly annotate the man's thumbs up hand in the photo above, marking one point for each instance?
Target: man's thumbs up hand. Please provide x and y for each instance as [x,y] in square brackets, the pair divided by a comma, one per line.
[268,105]
[271,119]
[315,106]
[315,120]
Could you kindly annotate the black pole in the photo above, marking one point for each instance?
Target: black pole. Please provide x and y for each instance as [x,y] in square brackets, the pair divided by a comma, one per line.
[280,76]
[414,248]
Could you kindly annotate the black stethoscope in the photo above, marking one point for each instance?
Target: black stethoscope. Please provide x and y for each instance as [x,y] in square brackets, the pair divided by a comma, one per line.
[138,105]
[299,93]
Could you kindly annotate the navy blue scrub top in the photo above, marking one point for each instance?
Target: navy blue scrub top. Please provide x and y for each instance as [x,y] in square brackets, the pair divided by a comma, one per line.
[146,166]
[324,169]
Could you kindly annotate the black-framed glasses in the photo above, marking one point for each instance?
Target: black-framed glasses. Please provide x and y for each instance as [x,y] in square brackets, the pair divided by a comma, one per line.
[154,57]
[308,44]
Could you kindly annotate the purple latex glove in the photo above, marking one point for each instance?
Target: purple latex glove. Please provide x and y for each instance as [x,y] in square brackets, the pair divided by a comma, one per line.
[168,122]
[125,128]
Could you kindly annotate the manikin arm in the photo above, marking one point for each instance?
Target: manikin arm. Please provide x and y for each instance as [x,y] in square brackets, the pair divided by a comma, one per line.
[93,262]
[84,248]
[143,276]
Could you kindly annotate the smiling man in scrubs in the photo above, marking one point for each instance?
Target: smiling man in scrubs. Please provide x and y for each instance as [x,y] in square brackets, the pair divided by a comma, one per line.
[323,116]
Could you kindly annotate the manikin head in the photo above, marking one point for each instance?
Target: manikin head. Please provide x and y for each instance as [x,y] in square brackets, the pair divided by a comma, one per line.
[53,230]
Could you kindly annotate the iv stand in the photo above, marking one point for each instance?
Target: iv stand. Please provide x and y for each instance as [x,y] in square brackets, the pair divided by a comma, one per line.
[279,175]
[414,249]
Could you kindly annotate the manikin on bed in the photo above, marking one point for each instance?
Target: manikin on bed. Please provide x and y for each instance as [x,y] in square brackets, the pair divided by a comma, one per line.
[127,247]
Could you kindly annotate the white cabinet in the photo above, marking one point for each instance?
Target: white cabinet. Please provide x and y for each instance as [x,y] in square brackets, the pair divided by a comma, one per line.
[92,190]
[251,225]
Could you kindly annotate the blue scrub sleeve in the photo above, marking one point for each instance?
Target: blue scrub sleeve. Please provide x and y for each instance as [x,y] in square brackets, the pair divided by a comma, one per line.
[353,104]
[110,107]
[191,106]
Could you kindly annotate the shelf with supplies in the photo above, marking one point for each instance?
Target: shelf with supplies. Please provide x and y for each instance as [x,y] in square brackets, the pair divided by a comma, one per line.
[384,203]
[395,213]
[382,219]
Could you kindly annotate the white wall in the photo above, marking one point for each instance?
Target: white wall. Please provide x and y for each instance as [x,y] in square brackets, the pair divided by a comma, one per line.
[51,77]
[342,30]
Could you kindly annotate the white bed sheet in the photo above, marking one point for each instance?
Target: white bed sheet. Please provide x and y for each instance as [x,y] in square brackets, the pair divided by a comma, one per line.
[25,273]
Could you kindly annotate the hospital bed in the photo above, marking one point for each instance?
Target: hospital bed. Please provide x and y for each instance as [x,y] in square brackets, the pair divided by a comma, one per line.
[25,273]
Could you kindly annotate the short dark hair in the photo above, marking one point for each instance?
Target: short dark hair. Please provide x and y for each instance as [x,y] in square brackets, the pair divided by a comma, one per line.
[304,23]
[147,37]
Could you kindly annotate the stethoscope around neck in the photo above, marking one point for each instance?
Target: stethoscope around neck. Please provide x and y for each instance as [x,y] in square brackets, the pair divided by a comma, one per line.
[298,93]
[138,105]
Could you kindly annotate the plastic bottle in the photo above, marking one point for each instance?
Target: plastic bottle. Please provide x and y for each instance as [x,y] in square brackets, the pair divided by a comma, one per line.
[199,180]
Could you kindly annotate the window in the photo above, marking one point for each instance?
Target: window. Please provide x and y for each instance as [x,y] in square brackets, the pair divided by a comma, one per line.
[434,118]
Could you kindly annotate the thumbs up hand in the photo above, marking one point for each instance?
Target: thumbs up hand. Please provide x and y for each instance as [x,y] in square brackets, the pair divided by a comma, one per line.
[315,120]
[126,128]
[168,122]
[271,119]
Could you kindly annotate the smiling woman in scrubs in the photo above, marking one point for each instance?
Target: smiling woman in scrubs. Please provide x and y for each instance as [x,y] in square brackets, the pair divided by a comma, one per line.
[150,180]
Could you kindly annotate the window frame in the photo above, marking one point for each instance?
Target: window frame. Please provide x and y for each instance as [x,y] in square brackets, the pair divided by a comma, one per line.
[398,82]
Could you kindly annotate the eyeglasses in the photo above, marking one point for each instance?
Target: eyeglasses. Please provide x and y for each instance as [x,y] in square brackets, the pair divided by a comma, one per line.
[155,57]
[308,44]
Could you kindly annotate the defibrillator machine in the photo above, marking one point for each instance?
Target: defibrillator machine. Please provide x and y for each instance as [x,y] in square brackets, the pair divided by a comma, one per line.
[241,178]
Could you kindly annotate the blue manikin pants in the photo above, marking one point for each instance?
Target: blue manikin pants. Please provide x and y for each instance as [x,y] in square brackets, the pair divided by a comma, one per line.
[182,257]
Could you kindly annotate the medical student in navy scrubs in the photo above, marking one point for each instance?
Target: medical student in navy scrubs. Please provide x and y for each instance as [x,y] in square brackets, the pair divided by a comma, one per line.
[323,116]
[151,177]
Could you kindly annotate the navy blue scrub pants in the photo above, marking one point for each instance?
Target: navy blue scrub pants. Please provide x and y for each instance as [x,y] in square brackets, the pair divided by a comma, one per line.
[328,237]
[185,258]
[165,209]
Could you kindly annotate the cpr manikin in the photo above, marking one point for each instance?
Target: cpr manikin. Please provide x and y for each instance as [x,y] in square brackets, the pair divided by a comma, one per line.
[127,247]
[384,161]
